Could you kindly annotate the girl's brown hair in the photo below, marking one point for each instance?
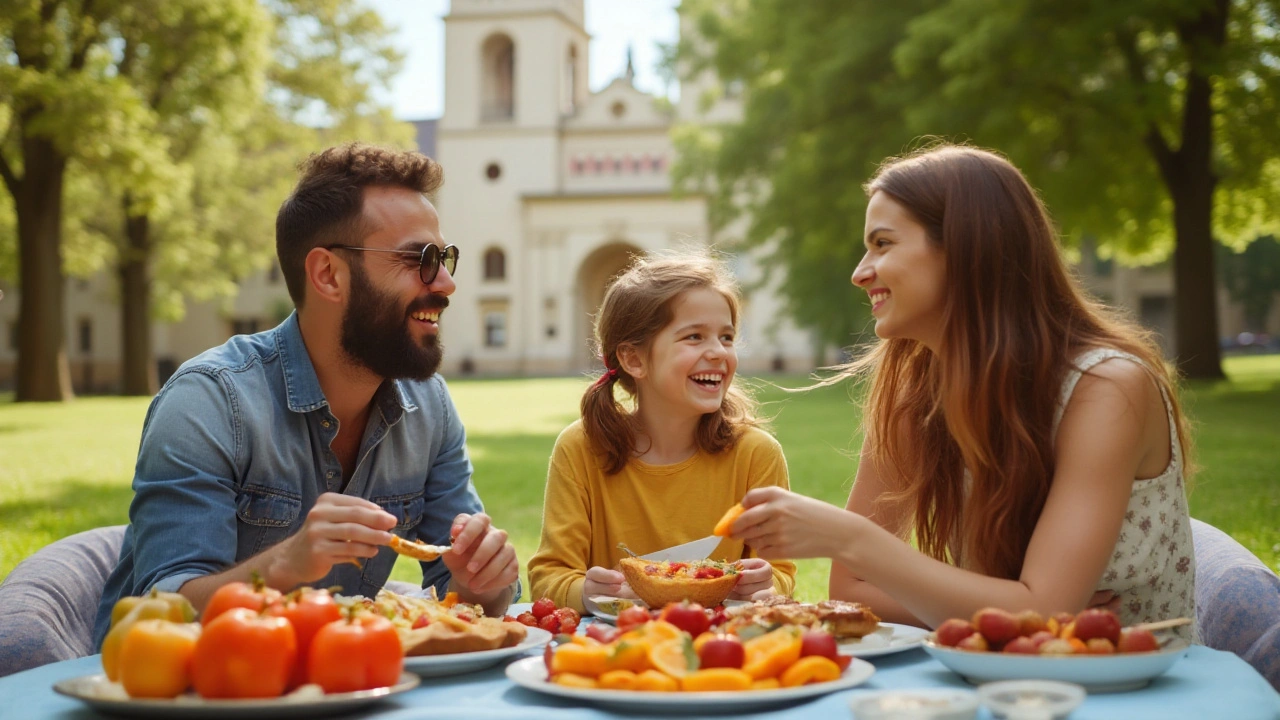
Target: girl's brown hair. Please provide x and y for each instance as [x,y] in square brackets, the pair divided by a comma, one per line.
[638,304]
[1013,319]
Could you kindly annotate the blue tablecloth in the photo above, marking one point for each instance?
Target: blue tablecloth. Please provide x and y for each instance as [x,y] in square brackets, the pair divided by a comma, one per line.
[1204,684]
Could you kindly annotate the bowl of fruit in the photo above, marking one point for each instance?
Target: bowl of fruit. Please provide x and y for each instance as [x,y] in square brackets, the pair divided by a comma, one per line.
[1089,648]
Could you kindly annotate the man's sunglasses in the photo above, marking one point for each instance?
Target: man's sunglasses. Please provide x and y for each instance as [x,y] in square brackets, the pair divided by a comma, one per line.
[429,260]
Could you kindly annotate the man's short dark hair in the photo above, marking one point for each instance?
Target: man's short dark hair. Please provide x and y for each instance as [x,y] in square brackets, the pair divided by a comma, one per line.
[326,207]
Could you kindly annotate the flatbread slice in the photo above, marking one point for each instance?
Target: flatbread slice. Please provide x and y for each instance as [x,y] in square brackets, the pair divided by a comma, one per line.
[417,550]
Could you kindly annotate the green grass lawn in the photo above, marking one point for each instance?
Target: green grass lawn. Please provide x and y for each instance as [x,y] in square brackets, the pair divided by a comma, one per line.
[67,468]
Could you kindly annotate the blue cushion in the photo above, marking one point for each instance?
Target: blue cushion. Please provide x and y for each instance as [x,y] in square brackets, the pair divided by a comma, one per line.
[50,600]
[1237,601]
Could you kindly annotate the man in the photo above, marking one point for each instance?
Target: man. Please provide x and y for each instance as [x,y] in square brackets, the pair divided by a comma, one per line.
[296,453]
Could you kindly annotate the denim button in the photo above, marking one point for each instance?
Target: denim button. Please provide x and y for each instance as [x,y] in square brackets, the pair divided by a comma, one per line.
[330,475]
[324,423]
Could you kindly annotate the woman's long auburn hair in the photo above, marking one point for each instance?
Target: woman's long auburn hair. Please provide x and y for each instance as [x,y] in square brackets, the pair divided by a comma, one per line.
[1013,320]
[636,307]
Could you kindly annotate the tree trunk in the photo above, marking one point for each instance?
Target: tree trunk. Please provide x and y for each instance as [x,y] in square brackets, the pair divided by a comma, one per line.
[43,374]
[135,305]
[1189,175]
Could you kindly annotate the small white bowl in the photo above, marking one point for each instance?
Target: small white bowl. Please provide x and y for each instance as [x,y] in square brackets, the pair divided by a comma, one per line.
[918,704]
[1031,699]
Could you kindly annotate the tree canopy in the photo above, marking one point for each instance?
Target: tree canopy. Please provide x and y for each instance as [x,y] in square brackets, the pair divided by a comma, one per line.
[1151,125]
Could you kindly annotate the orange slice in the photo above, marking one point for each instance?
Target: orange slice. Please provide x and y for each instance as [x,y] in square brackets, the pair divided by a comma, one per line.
[771,653]
[654,681]
[672,657]
[722,527]
[716,679]
[811,669]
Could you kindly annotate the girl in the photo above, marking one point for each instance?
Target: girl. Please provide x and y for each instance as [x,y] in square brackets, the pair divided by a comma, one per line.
[662,474]
[1029,440]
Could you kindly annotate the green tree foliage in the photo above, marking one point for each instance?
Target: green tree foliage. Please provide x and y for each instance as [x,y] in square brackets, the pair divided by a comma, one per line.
[1252,278]
[174,183]
[1150,124]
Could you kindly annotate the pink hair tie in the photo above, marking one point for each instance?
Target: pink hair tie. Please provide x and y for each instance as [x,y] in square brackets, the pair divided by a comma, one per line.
[609,375]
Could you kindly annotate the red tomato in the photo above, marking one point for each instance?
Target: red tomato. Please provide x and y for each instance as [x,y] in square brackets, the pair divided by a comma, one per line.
[527,618]
[707,573]
[254,595]
[633,616]
[356,654]
[819,642]
[550,623]
[689,617]
[725,651]
[308,610]
[543,607]
[244,654]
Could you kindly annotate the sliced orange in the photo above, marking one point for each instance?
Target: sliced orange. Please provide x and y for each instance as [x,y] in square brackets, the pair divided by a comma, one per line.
[768,655]
[628,655]
[572,680]
[617,680]
[726,521]
[672,657]
[811,669]
[654,681]
[659,630]
[713,679]
[588,660]
[766,684]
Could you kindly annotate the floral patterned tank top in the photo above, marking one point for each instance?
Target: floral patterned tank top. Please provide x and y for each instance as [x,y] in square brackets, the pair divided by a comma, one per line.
[1153,565]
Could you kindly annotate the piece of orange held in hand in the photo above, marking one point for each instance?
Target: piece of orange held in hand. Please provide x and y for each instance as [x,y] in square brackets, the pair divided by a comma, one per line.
[722,527]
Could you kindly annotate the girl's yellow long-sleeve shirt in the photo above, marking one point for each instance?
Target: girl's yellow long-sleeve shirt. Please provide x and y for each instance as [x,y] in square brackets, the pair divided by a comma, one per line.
[586,513]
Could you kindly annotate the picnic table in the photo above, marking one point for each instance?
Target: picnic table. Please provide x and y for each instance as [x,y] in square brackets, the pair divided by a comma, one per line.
[1205,683]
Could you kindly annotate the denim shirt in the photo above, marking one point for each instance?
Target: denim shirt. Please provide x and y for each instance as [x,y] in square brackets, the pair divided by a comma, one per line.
[235,451]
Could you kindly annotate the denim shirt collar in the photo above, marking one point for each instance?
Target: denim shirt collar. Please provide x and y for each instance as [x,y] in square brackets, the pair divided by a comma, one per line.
[303,386]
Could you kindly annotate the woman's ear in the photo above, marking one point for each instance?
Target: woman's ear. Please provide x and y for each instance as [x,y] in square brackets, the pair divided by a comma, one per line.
[327,275]
[631,360]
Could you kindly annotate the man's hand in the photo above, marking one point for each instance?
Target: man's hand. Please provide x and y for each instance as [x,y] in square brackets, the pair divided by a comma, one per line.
[482,562]
[755,580]
[339,528]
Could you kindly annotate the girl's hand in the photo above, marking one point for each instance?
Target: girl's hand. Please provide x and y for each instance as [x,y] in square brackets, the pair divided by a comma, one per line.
[603,581]
[782,524]
[755,580]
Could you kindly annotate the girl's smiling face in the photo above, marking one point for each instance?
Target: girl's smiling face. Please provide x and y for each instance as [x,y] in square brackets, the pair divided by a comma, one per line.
[689,364]
[903,272]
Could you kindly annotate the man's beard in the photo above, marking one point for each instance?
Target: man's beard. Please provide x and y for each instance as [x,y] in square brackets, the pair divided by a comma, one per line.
[375,333]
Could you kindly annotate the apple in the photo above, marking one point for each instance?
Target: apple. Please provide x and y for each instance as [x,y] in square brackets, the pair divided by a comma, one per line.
[974,643]
[1041,638]
[1097,623]
[953,631]
[1137,640]
[1099,646]
[1030,622]
[632,617]
[1057,647]
[1021,645]
[996,625]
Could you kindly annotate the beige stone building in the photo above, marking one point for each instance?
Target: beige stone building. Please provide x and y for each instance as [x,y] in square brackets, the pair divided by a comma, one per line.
[549,189]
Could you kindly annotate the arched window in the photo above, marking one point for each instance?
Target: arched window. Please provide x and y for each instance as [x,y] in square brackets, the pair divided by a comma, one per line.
[495,264]
[498,64]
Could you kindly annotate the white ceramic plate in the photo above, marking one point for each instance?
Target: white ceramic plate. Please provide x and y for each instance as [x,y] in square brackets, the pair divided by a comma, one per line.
[888,638]
[1097,673]
[531,673]
[459,663]
[603,609]
[107,697]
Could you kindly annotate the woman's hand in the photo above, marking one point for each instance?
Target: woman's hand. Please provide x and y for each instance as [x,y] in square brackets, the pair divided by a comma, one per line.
[755,580]
[782,524]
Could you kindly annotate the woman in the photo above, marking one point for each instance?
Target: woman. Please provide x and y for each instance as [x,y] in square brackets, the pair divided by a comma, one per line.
[1029,440]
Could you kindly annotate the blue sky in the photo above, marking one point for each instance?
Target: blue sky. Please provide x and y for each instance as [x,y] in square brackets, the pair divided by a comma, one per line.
[418,91]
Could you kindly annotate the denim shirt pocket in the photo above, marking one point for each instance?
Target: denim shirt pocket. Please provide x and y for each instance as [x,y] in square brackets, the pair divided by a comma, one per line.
[267,516]
[408,510]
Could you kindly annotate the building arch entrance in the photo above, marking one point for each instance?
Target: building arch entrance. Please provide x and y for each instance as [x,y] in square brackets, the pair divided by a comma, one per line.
[600,267]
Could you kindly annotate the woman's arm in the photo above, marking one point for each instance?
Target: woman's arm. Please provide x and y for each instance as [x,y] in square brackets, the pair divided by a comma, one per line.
[868,486]
[1101,442]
